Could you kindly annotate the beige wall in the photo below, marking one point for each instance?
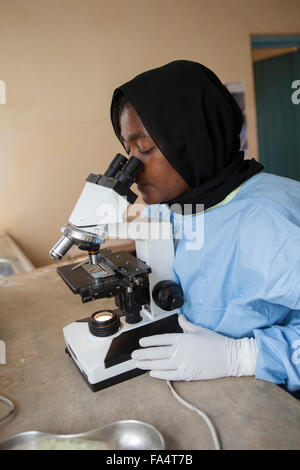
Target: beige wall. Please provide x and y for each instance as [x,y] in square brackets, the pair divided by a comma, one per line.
[62,59]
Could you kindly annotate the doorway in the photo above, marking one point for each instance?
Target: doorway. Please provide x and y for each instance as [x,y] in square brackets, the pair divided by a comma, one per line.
[276,67]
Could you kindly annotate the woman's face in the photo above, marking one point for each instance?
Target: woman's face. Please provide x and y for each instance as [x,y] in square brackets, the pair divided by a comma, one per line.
[158,181]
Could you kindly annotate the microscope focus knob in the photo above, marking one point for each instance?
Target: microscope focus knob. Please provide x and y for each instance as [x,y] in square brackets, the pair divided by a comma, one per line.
[168,295]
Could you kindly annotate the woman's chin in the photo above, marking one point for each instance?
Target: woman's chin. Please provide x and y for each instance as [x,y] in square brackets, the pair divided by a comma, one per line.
[148,194]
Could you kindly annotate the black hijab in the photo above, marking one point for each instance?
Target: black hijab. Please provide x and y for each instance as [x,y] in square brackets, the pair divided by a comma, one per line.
[196,123]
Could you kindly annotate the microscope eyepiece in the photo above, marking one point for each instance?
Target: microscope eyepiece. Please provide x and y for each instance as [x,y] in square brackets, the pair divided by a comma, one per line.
[116,165]
[130,171]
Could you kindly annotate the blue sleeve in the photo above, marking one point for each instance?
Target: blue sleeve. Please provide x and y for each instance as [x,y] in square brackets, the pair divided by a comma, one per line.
[279,345]
[270,244]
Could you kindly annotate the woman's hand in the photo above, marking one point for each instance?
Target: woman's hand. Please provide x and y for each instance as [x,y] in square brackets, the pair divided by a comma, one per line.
[196,354]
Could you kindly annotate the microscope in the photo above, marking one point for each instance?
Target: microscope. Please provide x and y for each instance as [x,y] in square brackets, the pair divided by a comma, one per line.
[146,296]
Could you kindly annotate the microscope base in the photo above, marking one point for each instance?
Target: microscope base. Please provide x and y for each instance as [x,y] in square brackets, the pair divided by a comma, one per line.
[104,362]
[109,382]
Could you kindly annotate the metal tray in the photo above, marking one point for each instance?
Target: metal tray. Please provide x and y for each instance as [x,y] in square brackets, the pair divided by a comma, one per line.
[121,435]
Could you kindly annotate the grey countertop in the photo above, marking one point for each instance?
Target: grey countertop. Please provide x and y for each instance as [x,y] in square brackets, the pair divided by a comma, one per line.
[51,396]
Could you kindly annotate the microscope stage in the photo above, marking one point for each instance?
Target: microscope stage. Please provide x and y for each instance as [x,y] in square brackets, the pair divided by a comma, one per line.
[123,268]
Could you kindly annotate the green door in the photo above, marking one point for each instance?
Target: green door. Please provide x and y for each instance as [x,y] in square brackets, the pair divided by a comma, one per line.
[278,118]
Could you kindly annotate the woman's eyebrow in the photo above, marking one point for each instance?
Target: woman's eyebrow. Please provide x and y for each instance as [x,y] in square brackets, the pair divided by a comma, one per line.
[137,135]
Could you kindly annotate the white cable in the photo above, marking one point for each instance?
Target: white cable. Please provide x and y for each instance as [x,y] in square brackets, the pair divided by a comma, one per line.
[11,407]
[203,415]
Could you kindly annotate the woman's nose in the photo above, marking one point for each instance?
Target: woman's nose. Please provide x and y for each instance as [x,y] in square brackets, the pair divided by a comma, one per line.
[134,154]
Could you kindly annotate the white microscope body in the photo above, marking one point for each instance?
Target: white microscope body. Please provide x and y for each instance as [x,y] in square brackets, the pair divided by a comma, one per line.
[143,286]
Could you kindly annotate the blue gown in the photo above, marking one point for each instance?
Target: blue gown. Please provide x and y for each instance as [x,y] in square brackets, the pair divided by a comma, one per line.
[245,279]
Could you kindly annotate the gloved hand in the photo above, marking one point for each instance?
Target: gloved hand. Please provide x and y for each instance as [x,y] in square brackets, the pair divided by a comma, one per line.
[196,354]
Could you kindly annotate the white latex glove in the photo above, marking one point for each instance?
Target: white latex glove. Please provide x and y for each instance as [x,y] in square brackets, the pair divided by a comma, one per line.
[196,354]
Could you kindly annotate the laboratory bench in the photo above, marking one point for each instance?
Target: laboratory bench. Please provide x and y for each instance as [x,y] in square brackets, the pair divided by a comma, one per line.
[51,396]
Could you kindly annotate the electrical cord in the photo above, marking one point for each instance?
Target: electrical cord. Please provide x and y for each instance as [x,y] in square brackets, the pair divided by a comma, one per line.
[213,431]
[11,407]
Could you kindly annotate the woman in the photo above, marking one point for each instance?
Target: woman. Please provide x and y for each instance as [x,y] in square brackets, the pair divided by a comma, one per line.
[241,314]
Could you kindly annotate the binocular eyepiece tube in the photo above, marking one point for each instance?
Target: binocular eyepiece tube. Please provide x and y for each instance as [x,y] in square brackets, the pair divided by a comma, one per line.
[123,169]
[130,171]
[116,165]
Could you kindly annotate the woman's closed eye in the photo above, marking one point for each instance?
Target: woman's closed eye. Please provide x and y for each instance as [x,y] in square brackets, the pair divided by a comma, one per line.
[146,152]
[143,152]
